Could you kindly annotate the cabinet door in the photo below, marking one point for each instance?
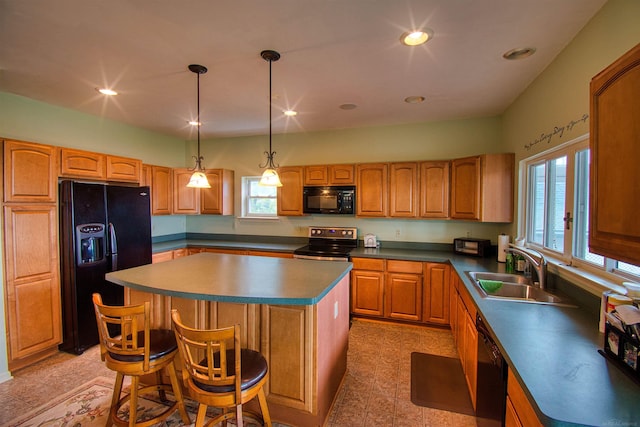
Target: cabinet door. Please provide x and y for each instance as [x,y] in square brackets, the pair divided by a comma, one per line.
[403,190]
[316,175]
[367,291]
[436,293]
[471,356]
[161,190]
[123,169]
[434,189]
[465,188]
[290,194]
[186,200]
[342,175]
[614,229]
[34,321]
[225,314]
[82,164]
[523,411]
[372,190]
[218,200]
[403,296]
[30,172]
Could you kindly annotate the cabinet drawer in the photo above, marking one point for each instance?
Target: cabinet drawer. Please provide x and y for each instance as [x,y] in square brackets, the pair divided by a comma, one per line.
[368,264]
[395,266]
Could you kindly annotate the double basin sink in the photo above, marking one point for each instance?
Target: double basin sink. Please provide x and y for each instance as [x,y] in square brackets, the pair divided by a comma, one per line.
[513,287]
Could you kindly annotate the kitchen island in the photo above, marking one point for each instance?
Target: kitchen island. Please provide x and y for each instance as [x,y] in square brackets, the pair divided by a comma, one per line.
[295,312]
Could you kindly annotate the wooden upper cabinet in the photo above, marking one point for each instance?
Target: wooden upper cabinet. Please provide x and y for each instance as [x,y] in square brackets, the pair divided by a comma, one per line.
[372,190]
[98,166]
[403,190]
[161,190]
[123,169]
[290,194]
[145,177]
[434,189]
[482,188]
[316,175]
[465,188]
[614,230]
[30,172]
[329,175]
[342,175]
[82,164]
[218,200]
[186,200]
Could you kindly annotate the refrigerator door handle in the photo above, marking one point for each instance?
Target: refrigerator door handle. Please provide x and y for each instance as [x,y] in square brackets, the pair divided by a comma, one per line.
[114,247]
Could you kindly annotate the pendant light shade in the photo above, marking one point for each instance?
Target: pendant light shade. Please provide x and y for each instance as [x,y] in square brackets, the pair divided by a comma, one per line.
[198,178]
[270,175]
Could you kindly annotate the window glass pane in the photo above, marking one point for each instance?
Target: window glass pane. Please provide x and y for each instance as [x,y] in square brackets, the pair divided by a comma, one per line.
[629,268]
[581,211]
[257,190]
[536,202]
[554,238]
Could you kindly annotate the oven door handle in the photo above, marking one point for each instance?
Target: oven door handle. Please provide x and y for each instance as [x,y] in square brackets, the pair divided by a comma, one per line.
[320,258]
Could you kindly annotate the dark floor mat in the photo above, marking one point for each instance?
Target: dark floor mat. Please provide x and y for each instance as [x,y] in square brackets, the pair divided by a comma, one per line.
[438,382]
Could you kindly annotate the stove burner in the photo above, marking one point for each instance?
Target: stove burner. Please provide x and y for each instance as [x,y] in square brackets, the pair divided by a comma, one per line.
[333,243]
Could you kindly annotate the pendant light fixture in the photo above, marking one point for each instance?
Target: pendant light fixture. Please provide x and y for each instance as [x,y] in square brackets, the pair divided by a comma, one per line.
[198,179]
[270,175]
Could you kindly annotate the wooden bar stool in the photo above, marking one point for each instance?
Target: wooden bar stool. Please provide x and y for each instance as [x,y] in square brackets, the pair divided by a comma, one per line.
[217,372]
[134,349]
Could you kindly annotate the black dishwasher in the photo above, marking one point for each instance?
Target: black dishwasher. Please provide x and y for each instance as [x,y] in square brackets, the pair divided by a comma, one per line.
[491,388]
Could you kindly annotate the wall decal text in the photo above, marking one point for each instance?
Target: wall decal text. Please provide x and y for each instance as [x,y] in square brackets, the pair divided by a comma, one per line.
[557,131]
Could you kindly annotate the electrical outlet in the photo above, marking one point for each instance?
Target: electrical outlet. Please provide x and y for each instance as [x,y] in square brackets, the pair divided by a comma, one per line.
[468,233]
[397,233]
[335,310]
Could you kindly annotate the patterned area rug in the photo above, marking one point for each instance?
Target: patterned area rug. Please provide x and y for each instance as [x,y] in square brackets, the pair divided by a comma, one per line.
[88,405]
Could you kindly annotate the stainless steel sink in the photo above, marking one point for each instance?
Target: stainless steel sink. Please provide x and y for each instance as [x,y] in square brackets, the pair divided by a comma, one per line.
[502,277]
[515,287]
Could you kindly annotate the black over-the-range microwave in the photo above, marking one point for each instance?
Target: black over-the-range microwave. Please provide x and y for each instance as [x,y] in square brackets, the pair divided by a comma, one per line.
[329,200]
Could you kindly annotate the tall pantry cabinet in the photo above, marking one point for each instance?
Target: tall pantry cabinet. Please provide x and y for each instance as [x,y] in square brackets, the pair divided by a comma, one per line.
[31,283]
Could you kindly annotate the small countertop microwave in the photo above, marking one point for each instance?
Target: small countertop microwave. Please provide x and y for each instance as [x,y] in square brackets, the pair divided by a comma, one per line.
[329,200]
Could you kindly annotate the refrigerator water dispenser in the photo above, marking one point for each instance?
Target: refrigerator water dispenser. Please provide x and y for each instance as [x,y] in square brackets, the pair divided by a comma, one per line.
[91,247]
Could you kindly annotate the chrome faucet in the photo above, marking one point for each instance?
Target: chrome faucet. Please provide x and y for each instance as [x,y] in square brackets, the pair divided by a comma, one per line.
[540,264]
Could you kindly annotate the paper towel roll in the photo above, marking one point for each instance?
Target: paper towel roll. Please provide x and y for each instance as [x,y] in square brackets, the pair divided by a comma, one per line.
[503,244]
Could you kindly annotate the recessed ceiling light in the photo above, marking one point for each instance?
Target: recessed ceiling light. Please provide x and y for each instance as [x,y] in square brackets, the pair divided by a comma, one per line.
[414,99]
[290,113]
[348,106]
[519,53]
[416,37]
[194,123]
[105,91]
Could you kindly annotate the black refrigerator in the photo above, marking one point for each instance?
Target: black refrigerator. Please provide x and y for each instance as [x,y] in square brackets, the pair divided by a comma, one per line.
[103,228]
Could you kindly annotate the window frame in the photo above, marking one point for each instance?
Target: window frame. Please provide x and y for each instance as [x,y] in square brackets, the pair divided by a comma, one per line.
[246,200]
[603,277]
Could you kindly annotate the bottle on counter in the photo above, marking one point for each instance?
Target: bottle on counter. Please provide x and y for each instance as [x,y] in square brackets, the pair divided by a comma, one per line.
[509,263]
[520,263]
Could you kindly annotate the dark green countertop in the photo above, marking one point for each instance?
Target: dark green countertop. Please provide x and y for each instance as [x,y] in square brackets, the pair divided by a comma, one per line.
[237,278]
[552,350]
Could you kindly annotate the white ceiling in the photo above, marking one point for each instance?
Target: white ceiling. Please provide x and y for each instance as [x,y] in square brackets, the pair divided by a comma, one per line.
[333,52]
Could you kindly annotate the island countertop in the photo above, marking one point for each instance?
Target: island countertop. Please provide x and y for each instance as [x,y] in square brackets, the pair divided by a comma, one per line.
[237,278]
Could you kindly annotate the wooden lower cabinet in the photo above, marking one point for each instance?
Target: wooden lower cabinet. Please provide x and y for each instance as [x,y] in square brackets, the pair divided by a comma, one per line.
[436,293]
[519,412]
[367,286]
[32,283]
[466,337]
[403,290]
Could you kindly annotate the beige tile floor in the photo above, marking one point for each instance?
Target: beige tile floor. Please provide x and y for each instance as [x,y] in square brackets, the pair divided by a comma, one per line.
[376,390]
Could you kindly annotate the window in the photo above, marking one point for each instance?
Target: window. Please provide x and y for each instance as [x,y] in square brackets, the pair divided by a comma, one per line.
[258,201]
[556,211]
